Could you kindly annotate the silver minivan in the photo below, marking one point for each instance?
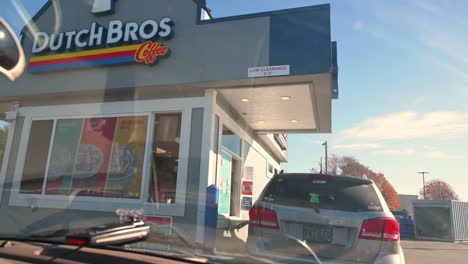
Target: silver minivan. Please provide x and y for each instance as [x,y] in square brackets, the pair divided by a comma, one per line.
[339,219]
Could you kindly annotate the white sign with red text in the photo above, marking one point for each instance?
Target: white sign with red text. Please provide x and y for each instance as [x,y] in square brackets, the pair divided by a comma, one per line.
[268,71]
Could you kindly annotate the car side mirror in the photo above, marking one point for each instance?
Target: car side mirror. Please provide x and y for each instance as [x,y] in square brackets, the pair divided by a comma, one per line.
[12,61]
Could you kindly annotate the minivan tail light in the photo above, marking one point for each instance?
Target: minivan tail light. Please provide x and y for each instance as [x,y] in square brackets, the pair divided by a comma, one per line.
[372,229]
[254,216]
[387,229]
[391,230]
[269,219]
[263,217]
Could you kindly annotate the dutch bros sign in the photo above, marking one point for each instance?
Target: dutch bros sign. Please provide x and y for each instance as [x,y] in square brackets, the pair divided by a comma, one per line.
[93,40]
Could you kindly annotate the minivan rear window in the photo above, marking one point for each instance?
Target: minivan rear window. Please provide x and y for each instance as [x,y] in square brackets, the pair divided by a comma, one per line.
[330,194]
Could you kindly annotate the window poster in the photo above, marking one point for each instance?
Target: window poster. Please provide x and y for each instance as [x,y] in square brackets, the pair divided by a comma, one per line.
[224,184]
[92,161]
[247,187]
[249,173]
[97,157]
[128,152]
[63,155]
[246,203]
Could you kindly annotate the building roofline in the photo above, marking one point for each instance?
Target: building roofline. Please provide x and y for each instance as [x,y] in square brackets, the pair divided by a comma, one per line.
[264,14]
[200,3]
[36,16]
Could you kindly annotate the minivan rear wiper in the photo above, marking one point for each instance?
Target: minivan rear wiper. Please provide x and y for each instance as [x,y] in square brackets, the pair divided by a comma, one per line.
[316,208]
[307,247]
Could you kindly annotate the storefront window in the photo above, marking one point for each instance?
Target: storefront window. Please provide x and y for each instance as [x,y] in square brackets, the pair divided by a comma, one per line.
[100,157]
[165,158]
[4,128]
[231,141]
[36,157]
[216,136]
[270,168]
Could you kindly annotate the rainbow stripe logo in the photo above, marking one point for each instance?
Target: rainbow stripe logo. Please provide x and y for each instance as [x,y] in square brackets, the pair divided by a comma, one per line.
[126,54]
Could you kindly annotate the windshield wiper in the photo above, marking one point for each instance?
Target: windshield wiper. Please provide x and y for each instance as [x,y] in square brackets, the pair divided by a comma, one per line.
[54,236]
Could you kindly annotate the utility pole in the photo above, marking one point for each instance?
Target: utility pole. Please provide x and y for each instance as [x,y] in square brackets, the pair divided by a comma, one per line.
[326,156]
[424,182]
[321,163]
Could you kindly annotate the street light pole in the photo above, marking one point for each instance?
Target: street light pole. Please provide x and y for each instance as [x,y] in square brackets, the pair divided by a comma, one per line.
[326,156]
[321,163]
[424,182]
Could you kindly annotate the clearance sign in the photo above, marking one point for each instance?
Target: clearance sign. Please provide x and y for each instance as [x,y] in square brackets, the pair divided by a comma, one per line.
[102,45]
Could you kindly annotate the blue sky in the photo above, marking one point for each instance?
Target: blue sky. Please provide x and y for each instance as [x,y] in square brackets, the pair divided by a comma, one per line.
[403,87]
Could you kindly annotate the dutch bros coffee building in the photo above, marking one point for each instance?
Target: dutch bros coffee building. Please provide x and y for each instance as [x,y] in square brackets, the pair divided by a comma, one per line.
[143,106]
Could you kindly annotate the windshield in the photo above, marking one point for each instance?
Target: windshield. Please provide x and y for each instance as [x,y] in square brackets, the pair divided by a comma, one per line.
[237,131]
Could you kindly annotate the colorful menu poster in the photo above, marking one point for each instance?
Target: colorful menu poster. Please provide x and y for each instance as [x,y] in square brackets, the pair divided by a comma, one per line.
[247,187]
[224,184]
[93,156]
[128,152]
[62,159]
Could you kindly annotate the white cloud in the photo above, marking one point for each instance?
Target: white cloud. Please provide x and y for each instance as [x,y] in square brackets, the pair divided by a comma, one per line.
[411,125]
[432,153]
[356,146]
[441,155]
[397,152]
[431,7]
[427,30]
[419,24]
[358,25]
[428,147]
[374,30]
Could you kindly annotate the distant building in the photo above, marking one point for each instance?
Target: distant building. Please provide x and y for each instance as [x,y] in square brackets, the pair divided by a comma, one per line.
[440,220]
[406,203]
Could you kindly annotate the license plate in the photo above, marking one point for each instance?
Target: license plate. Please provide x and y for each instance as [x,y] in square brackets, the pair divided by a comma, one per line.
[318,234]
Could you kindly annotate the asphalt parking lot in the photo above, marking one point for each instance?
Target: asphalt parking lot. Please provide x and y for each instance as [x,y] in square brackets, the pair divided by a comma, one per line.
[429,252]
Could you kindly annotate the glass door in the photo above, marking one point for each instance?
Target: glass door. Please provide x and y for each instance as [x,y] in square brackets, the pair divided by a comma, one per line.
[224,183]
